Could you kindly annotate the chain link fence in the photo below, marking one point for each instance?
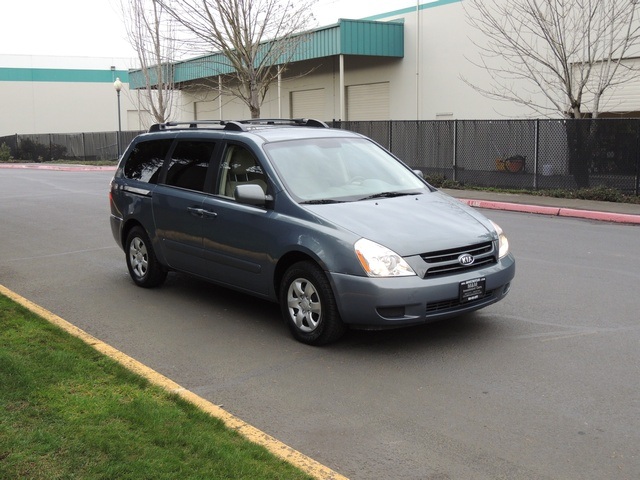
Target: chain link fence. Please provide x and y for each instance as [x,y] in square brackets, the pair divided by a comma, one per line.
[519,154]
[66,146]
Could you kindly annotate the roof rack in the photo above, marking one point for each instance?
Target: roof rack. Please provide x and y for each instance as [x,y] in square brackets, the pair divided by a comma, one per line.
[156,127]
[239,125]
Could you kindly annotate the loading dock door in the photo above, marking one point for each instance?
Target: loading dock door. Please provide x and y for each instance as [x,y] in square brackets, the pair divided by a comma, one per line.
[368,102]
[308,104]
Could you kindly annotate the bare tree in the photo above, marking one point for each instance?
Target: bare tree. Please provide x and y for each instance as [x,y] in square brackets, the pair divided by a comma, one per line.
[256,38]
[555,55]
[151,31]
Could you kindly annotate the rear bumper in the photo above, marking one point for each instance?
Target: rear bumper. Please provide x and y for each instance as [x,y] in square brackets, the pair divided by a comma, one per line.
[394,302]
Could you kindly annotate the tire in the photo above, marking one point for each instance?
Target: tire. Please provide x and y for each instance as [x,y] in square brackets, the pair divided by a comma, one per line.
[144,268]
[308,305]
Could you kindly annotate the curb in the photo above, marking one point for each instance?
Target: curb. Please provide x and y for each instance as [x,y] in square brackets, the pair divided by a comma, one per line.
[555,211]
[276,447]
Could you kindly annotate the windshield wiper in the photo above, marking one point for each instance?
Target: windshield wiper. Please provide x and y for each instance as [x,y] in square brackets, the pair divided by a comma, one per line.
[321,201]
[388,195]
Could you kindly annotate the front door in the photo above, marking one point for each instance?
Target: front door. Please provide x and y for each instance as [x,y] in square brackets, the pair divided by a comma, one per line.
[237,240]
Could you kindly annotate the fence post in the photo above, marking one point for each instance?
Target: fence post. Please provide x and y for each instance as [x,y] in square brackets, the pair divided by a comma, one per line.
[455,150]
[536,143]
[637,189]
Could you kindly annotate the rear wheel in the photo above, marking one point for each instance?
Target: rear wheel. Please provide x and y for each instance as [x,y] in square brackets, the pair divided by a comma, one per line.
[308,305]
[144,268]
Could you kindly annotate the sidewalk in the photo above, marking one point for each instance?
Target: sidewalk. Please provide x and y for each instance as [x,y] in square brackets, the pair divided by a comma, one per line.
[563,207]
[55,166]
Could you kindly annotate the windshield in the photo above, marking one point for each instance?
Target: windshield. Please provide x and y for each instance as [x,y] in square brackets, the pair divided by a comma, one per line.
[329,170]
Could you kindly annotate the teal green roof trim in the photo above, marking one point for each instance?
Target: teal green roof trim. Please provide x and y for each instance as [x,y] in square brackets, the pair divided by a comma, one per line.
[378,39]
[347,37]
[61,75]
[353,37]
[404,11]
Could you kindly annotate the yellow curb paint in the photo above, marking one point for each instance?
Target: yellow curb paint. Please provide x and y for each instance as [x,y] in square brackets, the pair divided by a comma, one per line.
[251,433]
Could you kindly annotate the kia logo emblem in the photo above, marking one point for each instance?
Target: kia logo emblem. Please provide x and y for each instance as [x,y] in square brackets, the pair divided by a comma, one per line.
[466,259]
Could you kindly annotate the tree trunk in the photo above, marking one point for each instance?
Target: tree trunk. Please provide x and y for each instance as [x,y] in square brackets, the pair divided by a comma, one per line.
[579,140]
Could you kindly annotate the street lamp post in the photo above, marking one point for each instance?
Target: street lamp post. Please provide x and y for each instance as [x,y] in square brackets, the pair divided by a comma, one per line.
[118,86]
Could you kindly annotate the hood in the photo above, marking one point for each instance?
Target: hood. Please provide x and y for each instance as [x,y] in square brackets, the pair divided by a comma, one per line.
[410,225]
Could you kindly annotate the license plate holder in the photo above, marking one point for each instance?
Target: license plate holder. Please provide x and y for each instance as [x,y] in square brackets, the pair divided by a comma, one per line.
[473,289]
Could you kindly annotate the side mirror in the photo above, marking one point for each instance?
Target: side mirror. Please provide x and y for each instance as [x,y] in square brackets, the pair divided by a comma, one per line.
[250,194]
[419,173]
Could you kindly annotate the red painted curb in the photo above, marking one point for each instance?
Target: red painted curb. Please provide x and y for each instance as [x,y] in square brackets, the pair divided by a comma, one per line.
[513,207]
[555,211]
[604,216]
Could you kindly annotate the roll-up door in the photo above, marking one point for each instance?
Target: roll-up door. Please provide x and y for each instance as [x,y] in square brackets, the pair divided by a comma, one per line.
[308,104]
[368,102]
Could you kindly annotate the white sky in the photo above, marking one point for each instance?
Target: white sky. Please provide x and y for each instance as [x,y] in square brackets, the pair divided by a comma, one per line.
[94,28]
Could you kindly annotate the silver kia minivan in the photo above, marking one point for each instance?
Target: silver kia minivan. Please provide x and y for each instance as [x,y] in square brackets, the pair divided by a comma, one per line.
[325,222]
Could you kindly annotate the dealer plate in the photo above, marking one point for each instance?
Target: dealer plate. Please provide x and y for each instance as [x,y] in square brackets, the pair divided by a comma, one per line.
[471,290]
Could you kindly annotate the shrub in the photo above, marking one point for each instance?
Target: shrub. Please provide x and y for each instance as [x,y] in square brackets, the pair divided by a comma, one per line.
[38,152]
[440,181]
[602,193]
[5,153]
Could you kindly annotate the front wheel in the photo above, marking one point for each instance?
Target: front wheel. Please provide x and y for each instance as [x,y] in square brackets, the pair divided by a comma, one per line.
[144,268]
[308,305]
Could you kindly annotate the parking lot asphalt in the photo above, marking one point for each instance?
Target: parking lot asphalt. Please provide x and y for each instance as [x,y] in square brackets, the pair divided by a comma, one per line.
[515,202]
[603,211]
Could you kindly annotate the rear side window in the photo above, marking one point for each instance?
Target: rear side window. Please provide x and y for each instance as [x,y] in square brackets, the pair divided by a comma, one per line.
[145,161]
[189,163]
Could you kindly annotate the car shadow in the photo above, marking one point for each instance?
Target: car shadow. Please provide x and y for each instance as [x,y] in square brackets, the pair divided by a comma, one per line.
[248,312]
[466,328]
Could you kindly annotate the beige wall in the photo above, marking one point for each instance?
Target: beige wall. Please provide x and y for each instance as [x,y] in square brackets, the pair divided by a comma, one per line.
[426,84]
[56,107]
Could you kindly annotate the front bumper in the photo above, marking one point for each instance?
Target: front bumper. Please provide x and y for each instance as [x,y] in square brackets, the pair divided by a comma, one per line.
[394,302]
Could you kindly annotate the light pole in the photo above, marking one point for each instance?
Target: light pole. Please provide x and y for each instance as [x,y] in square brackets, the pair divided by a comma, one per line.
[118,86]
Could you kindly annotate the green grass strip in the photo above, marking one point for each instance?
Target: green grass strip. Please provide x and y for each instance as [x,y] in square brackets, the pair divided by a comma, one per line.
[67,411]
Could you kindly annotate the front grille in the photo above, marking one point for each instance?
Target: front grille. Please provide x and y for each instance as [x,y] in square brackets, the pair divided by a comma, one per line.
[446,261]
[454,304]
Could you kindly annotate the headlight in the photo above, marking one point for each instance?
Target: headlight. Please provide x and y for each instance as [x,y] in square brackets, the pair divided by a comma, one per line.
[502,240]
[379,261]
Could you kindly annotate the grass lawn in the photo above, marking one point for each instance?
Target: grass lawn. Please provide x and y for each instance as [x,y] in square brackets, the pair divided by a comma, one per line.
[68,411]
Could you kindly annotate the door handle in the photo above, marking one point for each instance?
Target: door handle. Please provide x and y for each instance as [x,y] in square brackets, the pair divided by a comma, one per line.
[201,212]
[196,212]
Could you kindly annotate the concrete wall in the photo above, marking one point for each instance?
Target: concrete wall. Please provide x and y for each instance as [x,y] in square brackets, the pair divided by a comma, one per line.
[63,95]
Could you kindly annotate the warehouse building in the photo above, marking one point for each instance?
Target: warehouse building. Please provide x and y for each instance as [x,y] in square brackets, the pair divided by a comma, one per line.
[403,64]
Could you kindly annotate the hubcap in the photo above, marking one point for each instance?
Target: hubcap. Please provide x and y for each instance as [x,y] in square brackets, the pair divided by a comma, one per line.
[138,257]
[304,305]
